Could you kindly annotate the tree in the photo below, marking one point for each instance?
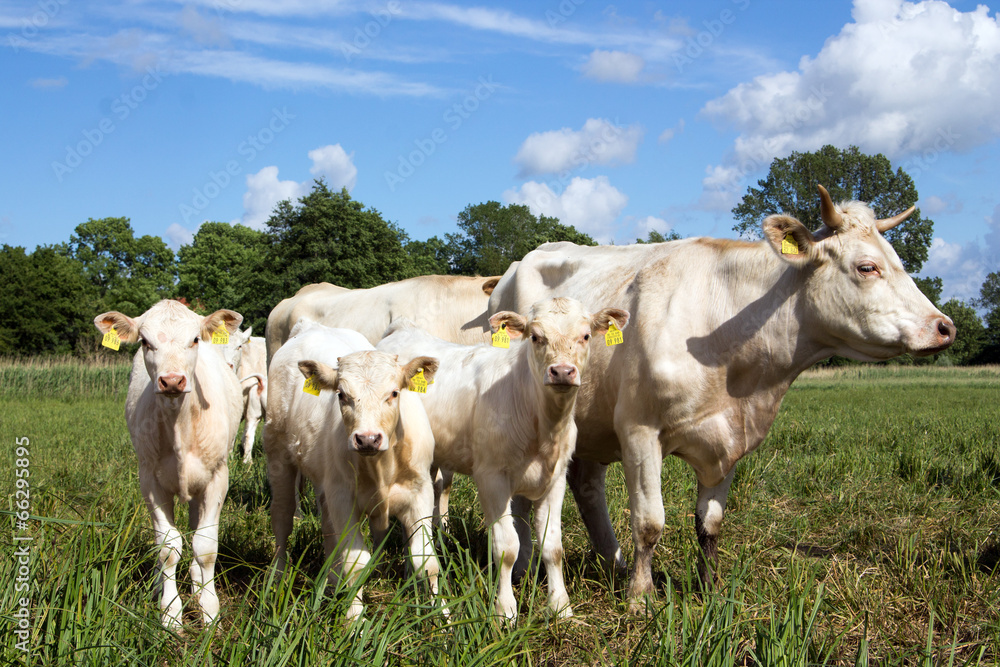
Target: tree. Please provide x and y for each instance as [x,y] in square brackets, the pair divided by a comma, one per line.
[325,237]
[989,301]
[492,236]
[129,274]
[47,305]
[430,257]
[790,187]
[217,269]
[971,335]
[657,237]
[931,287]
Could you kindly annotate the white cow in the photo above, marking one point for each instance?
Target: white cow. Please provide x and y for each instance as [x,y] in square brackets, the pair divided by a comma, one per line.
[505,417]
[724,327]
[363,442]
[452,307]
[247,356]
[183,411]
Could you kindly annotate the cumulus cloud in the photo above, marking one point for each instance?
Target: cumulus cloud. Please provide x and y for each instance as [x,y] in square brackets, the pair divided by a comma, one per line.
[58,82]
[906,79]
[934,205]
[651,223]
[613,66]
[336,165]
[671,132]
[592,205]
[598,142]
[963,267]
[178,235]
[265,190]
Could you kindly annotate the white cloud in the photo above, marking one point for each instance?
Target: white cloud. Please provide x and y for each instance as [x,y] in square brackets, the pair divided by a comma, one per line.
[963,267]
[202,29]
[178,235]
[264,190]
[336,165]
[934,205]
[58,82]
[651,223]
[904,79]
[613,66]
[599,141]
[671,132]
[590,204]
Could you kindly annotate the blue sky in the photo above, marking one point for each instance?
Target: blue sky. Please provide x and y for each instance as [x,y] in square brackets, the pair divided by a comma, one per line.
[616,118]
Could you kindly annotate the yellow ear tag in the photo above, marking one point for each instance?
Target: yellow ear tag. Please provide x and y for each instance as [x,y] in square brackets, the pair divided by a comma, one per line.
[311,386]
[789,245]
[501,338]
[418,382]
[220,336]
[614,335]
[112,340]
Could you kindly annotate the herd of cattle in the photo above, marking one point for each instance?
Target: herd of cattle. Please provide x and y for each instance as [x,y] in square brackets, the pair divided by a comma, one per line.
[378,396]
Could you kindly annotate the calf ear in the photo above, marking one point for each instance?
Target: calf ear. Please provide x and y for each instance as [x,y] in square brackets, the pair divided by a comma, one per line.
[490,284]
[790,239]
[516,324]
[326,376]
[428,364]
[248,333]
[227,318]
[599,320]
[126,328]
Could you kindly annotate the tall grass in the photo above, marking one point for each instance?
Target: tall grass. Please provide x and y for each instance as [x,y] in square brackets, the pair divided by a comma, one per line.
[864,531]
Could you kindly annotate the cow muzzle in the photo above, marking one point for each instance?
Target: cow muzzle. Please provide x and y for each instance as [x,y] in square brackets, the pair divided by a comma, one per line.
[367,444]
[944,335]
[172,384]
[562,376]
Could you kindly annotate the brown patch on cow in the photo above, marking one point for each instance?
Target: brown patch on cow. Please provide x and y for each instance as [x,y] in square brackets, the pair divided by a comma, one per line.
[721,245]
[490,284]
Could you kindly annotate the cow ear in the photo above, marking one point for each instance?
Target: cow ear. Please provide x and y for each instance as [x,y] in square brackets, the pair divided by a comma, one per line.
[490,284]
[248,333]
[599,320]
[126,328]
[516,324]
[227,318]
[326,376]
[790,239]
[428,364]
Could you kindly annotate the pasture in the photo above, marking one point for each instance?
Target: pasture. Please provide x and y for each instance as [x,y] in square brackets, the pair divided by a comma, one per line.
[864,530]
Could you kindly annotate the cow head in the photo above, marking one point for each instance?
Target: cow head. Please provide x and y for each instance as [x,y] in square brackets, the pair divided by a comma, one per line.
[861,297]
[232,352]
[559,331]
[170,334]
[368,384]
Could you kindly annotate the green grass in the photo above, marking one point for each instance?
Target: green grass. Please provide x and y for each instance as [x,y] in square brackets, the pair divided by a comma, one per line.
[865,530]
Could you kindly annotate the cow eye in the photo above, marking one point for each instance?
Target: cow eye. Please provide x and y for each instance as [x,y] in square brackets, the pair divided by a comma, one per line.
[586,336]
[395,393]
[142,341]
[342,397]
[868,269]
[195,341]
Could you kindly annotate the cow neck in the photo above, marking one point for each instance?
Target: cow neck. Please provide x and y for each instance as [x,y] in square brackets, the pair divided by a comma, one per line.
[184,413]
[550,412]
[380,470]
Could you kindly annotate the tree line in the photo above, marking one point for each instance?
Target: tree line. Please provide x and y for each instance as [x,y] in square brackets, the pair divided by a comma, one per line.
[53,293]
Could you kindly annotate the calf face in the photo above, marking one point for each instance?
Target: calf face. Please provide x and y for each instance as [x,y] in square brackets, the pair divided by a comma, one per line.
[559,331]
[232,352]
[368,385]
[170,334]
[860,296]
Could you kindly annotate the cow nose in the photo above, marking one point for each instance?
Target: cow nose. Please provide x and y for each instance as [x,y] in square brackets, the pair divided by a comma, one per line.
[172,383]
[563,374]
[367,443]
[946,329]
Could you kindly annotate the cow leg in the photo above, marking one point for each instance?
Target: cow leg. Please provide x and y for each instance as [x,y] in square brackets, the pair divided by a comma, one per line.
[495,496]
[281,473]
[442,493]
[160,503]
[417,520]
[253,414]
[204,511]
[548,527]
[643,464]
[707,522]
[586,481]
[342,531]
[520,508]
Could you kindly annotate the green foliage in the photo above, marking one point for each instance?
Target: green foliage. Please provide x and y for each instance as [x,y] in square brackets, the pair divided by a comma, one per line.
[217,269]
[657,237]
[46,307]
[790,187]
[931,287]
[129,274]
[430,257]
[971,334]
[492,236]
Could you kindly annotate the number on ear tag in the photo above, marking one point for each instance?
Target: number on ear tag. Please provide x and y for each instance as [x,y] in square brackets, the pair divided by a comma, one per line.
[112,340]
[789,246]
[418,382]
[220,336]
[311,386]
[614,335]
[501,338]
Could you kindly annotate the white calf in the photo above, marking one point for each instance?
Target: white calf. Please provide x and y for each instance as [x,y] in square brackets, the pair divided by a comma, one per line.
[247,356]
[506,418]
[183,411]
[363,442]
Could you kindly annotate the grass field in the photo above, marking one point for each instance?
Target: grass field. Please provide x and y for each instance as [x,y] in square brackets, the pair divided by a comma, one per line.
[865,530]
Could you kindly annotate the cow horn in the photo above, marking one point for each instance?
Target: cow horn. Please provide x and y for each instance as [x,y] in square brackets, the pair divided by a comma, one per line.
[886,224]
[830,215]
